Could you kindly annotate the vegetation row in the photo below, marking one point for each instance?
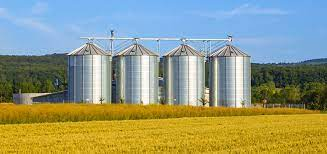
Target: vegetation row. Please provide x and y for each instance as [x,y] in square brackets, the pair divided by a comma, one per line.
[16,114]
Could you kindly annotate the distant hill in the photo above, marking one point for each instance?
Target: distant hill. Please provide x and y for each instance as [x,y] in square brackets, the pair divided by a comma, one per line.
[315,61]
[320,61]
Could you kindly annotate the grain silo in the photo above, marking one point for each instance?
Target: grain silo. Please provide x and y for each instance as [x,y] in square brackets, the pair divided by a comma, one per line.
[184,76]
[89,75]
[137,73]
[230,78]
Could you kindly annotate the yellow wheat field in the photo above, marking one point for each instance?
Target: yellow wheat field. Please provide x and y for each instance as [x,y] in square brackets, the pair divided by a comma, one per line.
[268,133]
[15,114]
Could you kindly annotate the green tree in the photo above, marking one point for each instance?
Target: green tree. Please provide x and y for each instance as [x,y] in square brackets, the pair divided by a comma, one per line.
[27,87]
[323,103]
[265,92]
[6,91]
[48,86]
[313,92]
[277,97]
[291,94]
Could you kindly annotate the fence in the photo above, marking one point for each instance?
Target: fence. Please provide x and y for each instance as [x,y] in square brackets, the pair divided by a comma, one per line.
[300,106]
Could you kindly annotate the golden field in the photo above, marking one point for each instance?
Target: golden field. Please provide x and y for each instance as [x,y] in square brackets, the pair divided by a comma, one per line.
[268,133]
[17,114]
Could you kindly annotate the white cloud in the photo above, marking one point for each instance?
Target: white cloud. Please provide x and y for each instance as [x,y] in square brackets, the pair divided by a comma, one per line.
[35,24]
[25,22]
[78,27]
[243,10]
[3,13]
[247,9]
[40,8]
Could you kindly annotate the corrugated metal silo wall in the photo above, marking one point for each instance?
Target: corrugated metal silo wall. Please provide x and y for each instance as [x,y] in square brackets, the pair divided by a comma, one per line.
[89,78]
[184,80]
[230,81]
[137,79]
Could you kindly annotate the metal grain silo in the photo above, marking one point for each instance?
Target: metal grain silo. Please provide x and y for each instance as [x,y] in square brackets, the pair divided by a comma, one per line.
[89,75]
[137,73]
[230,78]
[184,76]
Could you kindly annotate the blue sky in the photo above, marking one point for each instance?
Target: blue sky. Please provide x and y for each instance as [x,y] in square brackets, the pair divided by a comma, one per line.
[268,30]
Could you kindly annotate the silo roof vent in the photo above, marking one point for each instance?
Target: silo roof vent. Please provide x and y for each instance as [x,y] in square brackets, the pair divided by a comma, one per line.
[228,51]
[136,50]
[88,49]
[184,50]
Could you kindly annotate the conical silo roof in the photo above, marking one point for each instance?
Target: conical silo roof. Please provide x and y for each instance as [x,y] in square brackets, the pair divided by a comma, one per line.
[228,51]
[184,50]
[88,49]
[136,50]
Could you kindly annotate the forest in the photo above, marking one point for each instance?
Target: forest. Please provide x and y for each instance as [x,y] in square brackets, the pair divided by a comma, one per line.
[290,83]
[31,74]
[303,82]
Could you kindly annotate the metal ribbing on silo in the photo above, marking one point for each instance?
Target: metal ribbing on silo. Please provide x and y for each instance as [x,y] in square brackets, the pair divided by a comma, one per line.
[89,76]
[230,77]
[184,76]
[137,75]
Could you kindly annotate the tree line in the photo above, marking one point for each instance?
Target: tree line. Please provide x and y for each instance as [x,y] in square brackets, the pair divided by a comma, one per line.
[31,74]
[271,83]
[290,83]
